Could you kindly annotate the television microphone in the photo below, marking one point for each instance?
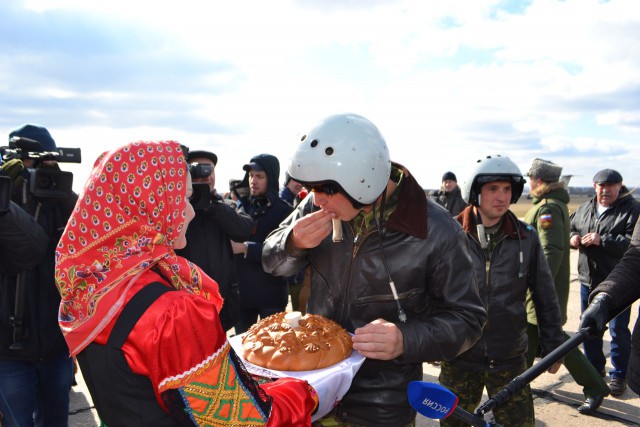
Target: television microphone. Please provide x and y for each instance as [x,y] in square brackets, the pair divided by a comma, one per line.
[436,402]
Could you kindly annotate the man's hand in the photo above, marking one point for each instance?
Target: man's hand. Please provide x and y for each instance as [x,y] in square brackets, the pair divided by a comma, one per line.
[379,339]
[590,239]
[554,368]
[594,319]
[238,247]
[574,241]
[310,230]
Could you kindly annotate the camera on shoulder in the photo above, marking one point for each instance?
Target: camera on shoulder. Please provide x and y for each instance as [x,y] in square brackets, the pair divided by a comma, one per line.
[200,170]
[45,180]
[201,198]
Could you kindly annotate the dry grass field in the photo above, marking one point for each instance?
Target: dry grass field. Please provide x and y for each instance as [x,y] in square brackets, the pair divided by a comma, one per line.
[524,204]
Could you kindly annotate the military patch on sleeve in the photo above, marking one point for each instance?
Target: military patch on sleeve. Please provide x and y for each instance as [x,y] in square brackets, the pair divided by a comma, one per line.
[546,221]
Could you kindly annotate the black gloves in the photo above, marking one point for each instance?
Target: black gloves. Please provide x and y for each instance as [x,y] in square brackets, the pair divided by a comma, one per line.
[595,318]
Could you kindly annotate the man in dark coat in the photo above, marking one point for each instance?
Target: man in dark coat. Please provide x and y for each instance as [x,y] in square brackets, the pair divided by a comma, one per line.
[36,371]
[615,294]
[209,237]
[601,230]
[262,294]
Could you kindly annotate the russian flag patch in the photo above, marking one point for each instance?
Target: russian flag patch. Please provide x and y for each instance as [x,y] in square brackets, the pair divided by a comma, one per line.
[546,221]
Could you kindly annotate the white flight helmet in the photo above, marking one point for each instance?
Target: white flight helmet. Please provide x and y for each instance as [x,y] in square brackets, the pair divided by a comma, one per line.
[345,150]
[490,169]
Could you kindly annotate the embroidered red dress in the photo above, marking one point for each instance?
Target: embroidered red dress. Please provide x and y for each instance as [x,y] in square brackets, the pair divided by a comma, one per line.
[118,240]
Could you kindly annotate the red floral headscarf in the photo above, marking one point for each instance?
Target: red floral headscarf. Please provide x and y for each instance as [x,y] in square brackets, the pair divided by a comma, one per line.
[125,222]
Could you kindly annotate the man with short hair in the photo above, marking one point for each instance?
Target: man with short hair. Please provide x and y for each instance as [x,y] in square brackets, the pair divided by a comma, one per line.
[549,215]
[509,262]
[262,294]
[385,262]
[209,235]
[601,230]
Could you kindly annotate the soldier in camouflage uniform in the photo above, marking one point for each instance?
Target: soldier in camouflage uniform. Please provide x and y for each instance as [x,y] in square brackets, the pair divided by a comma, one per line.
[550,216]
[508,261]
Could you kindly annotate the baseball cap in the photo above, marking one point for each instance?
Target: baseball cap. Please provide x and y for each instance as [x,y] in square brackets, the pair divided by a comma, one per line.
[253,166]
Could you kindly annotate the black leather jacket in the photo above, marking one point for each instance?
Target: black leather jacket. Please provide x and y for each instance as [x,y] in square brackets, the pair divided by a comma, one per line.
[503,282]
[209,247]
[615,227]
[43,338]
[428,258]
[22,241]
[622,286]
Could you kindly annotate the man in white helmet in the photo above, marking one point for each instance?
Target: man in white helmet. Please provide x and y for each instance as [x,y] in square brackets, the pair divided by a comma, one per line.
[399,278]
[509,260]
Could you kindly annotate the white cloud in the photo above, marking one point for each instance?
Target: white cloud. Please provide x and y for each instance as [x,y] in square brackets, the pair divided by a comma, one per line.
[447,82]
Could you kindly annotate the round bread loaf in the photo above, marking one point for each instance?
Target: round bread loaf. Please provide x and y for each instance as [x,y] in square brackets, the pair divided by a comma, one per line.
[291,342]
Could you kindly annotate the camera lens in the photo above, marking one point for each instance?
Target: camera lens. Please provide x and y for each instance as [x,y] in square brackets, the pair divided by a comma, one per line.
[200,170]
[45,182]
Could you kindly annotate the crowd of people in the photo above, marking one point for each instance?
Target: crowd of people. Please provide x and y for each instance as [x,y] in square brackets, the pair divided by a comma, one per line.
[142,278]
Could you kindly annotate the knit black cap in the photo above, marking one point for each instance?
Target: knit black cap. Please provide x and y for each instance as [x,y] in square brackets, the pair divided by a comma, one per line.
[449,176]
[37,133]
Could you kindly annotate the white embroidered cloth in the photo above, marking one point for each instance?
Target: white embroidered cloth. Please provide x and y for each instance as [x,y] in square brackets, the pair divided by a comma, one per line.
[331,383]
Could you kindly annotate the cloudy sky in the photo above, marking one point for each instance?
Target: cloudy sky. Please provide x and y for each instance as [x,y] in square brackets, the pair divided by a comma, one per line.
[446,82]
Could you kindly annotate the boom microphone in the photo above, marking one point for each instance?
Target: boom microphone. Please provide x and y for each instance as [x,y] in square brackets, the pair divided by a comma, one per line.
[25,144]
[436,402]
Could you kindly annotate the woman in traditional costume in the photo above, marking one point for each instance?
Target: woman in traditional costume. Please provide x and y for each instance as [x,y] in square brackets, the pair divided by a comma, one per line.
[142,321]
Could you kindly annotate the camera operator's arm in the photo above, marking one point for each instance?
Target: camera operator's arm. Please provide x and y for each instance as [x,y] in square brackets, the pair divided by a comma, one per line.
[22,241]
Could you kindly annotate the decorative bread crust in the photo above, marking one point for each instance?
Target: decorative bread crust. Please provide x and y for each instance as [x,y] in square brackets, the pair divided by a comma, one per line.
[314,343]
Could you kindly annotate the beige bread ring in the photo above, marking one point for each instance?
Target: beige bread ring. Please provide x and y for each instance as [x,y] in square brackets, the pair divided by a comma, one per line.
[292,342]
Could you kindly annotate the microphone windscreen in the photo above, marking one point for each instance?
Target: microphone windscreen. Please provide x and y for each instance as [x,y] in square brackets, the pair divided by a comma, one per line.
[25,144]
[431,400]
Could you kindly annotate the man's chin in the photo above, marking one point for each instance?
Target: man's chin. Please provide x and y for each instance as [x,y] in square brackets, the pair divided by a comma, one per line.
[502,211]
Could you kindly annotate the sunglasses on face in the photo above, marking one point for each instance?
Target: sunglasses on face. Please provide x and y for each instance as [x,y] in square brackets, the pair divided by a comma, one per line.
[328,189]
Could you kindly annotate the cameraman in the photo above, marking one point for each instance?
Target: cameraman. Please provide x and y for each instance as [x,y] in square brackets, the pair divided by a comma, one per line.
[36,371]
[210,232]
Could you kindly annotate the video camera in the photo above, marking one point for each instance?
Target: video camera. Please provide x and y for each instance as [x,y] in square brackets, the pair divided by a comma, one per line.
[200,170]
[201,198]
[43,183]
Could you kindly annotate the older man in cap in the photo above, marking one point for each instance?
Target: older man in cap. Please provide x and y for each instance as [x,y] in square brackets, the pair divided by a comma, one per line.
[550,217]
[210,233]
[601,230]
